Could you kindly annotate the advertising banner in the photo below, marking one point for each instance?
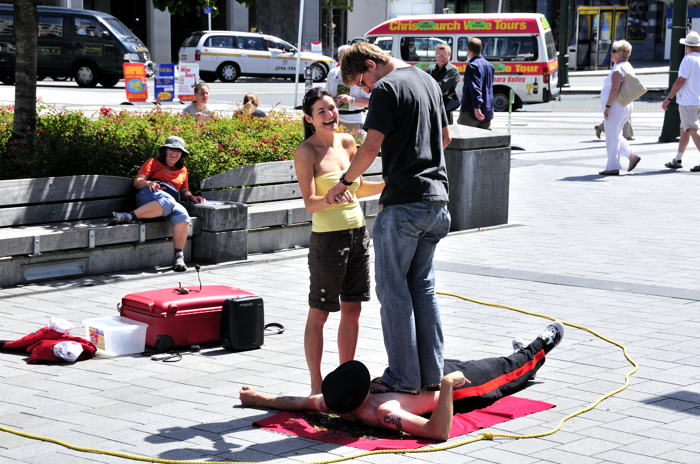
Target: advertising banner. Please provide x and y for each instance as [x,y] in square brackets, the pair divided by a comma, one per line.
[135,82]
[189,77]
[456,23]
[165,81]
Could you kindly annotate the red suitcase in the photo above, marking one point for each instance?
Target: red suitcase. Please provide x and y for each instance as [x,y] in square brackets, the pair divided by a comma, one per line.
[190,319]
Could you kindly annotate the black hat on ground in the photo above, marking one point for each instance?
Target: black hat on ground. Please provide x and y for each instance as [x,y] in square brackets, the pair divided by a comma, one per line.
[346,388]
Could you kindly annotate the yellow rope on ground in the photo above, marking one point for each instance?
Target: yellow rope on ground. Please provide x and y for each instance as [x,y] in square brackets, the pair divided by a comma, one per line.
[482,436]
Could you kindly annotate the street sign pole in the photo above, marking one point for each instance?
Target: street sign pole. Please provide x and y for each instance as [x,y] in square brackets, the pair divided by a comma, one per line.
[564,44]
[672,119]
[296,77]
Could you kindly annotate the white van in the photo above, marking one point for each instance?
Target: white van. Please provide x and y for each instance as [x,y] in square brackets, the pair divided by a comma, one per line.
[227,55]
[520,46]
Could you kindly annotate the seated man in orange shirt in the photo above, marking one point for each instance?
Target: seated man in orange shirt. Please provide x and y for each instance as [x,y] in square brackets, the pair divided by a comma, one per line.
[348,391]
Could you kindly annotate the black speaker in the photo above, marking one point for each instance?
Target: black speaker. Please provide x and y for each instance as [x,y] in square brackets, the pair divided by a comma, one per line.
[243,323]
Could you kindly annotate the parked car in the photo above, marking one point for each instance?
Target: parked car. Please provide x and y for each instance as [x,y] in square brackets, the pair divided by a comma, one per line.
[228,55]
[89,46]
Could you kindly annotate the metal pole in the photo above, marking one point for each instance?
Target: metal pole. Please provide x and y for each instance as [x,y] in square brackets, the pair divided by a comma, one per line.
[209,15]
[672,119]
[296,77]
[564,44]
[511,99]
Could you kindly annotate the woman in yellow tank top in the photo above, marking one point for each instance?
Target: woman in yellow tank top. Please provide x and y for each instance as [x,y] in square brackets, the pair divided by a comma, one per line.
[339,243]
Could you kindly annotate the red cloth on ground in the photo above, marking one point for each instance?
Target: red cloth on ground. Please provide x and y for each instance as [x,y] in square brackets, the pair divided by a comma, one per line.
[40,345]
[43,350]
[502,410]
[46,333]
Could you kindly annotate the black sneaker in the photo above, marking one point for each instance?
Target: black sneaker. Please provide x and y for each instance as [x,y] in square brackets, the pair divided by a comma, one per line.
[179,263]
[674,164]
[552,335]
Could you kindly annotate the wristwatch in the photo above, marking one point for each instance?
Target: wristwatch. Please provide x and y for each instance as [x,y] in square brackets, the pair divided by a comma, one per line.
[343,181]
[353,100]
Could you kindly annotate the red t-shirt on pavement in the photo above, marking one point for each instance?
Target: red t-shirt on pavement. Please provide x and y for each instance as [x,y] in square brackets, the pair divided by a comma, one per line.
[154,169]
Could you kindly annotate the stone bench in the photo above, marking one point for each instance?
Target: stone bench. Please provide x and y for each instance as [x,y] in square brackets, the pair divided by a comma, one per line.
[62,226]
[265,211]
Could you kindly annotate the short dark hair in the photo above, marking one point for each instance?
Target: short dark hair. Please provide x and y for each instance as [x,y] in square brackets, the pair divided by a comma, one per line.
[474,46]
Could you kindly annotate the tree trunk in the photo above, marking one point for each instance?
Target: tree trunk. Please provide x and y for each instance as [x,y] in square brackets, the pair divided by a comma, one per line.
[330,13]
[26,30]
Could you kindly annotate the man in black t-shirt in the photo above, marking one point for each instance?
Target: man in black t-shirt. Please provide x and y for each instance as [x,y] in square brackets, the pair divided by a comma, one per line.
[407,121]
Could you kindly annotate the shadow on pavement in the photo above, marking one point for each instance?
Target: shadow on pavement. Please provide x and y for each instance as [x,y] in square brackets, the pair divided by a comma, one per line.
[586,178]
[680,401]
[654,173]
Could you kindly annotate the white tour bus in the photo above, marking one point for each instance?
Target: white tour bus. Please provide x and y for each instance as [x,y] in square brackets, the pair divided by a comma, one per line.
[520,46]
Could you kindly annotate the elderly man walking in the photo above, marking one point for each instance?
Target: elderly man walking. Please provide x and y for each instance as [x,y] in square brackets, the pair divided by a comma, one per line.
[686,89]
[447,76]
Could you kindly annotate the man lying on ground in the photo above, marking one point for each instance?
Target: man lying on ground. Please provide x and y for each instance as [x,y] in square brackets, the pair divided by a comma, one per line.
[348,392]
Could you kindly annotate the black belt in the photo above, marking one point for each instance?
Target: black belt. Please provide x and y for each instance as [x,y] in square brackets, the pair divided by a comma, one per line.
[349,112]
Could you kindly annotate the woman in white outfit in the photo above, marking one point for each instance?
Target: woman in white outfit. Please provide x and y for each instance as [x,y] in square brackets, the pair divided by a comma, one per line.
[615,114]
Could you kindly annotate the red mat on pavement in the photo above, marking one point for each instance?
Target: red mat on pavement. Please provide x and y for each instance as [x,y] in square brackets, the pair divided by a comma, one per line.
[303,424]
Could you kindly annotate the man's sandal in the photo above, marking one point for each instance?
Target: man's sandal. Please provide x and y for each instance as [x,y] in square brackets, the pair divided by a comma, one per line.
[674,164]
[695,169]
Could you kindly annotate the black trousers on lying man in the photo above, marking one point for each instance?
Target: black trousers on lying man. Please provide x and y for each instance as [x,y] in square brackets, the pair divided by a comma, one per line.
[349,392]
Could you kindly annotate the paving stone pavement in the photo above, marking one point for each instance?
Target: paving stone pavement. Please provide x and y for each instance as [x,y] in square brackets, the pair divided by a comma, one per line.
[613,254]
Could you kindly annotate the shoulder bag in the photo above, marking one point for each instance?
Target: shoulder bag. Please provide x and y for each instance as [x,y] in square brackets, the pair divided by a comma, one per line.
[451,102]
[630,89]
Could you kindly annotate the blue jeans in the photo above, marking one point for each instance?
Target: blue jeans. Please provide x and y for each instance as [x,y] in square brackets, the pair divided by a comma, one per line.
[405,237]
[172,210]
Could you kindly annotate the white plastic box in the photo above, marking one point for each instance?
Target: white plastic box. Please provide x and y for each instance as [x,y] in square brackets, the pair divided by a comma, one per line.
[116,335]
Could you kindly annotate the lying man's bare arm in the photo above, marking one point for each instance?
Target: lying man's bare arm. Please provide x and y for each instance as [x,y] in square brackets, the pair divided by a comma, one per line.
[390,414]
[251,398]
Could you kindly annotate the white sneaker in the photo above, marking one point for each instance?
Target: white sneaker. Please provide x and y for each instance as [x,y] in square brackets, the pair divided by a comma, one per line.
[552,335]
[122,218]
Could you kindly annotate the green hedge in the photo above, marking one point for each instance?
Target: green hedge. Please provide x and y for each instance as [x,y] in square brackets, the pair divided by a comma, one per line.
[118,142]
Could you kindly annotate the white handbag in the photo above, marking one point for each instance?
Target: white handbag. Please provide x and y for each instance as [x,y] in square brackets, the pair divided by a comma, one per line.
[630,89]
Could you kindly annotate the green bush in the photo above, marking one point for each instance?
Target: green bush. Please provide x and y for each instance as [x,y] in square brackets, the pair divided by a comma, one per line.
[118,142]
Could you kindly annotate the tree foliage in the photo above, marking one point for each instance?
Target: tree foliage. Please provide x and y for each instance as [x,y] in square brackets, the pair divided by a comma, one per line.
[183,7]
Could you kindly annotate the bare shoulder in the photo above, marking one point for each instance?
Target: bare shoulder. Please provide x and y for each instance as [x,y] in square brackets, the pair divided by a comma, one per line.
[346,139]
[304,152]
